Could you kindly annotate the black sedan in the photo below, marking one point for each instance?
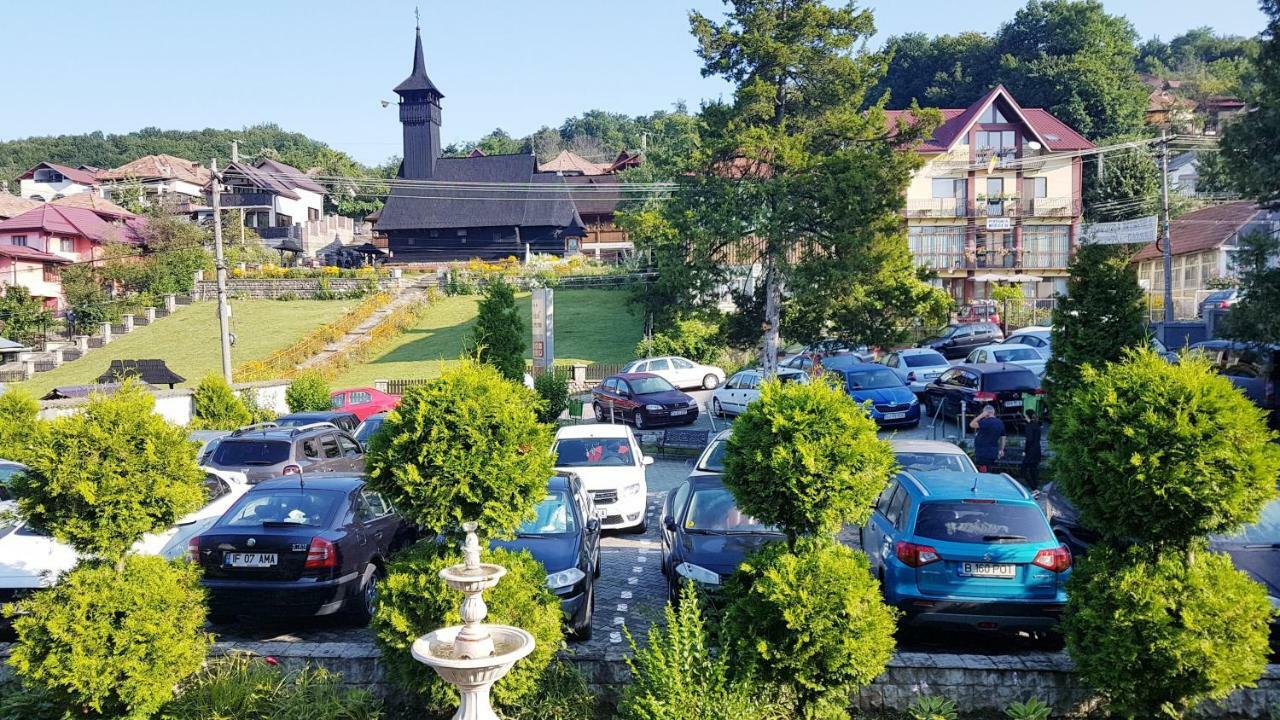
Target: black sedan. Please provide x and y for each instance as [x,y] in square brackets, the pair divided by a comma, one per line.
[565,537]
[344,420]
[1001,385]
[292,547]
[644,399]
[705,537]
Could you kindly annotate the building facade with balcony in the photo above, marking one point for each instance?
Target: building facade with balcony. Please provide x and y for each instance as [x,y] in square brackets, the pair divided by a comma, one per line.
[998,198]
[273,196]
[162,179]
[35,245]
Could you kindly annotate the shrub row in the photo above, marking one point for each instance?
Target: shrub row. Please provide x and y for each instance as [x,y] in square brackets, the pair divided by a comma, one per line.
[379,336]
[284,363]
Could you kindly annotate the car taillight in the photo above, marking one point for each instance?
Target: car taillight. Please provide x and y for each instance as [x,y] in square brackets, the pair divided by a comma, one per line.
[984,397]
[913,555]
[321,555]
[193,549]
[292,470]
[1056,559]
[1223,305]
[1038,391]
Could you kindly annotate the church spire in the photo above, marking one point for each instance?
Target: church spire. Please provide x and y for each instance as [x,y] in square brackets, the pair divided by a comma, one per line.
[418,80]
[420,116]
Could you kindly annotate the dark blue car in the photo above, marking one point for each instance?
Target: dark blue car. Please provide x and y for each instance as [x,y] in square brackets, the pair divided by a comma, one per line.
[888,398]
[292,547]
[705,537]
[564,536]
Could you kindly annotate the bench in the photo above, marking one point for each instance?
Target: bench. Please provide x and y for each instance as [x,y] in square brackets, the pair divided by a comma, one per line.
[684,440]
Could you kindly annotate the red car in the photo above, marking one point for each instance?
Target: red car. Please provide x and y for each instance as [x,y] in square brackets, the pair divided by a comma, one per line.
[362,401]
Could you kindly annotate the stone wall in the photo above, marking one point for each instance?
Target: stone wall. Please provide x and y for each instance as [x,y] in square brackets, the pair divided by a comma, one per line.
[285,287]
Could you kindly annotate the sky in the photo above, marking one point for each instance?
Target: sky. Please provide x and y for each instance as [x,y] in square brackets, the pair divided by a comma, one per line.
[322,67]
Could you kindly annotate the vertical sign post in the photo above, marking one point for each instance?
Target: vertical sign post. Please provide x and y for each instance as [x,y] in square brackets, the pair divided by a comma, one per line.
[543,329]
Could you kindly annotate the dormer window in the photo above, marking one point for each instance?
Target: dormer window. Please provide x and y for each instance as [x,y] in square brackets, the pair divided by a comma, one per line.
[991,116]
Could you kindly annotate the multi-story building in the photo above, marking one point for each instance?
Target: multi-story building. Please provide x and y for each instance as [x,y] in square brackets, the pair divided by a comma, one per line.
[162,178]
[274,197]
[998,198]
[50,181]
[35,244]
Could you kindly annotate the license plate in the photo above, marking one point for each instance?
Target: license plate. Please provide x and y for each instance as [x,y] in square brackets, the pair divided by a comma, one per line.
[894,416]
[987,570]
[602,513]
[249,560]
[1013,403]
[679,412]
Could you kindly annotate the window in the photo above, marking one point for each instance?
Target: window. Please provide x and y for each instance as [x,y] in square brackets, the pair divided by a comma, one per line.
[611,385]
[1045,246]
[1010,380]
[948,188]
[995,187]
[750,381]
[19,240]
[251,452]
[681,364]
[936,246]
[378,505]
[899,502]
[359,397]
[50,273]
[659,366]
[553,516]
[682,494]
[349,447]
[886,497]
[594,452]
[1040,187]
[283,220]
[67,245]
[309,449]
[733,382]
[991,116]
[1000,141]
[890,360]
[925,359]
[330,446]
[364,513]
[982,523]
[308,507]
[313,214]
[214,487]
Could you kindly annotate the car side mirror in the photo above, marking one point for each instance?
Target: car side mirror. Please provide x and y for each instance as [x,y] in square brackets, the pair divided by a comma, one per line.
[593,524]
[669,523]
[647,460]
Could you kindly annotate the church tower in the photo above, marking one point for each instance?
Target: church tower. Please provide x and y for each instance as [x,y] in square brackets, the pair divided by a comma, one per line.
[420,115]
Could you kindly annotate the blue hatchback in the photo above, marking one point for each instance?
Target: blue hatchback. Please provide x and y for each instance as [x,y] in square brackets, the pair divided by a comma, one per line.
[967,550]
[890,400]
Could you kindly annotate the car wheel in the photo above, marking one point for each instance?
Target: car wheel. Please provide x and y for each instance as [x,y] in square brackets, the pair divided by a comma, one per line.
[581,630]
[640,529]
[365,603]
[710,382]
[716,409]
[639,420]
[596,410]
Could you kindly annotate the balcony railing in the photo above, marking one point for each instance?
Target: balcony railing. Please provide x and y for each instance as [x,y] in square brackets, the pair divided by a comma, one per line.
[239,200]
[1006,207]
[1049,207]
[992,260]
[936,207]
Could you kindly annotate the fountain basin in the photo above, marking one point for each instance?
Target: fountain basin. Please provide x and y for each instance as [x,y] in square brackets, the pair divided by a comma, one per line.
[472,579]
[436,650]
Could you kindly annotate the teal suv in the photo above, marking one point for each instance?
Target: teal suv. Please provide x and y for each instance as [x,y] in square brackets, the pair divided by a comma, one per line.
[967,550]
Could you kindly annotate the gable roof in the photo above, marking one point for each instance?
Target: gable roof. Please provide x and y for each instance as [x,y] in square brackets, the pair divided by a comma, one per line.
[21,252]
[597,200]
[418,80]
[1205,229]
[63,220]
[76,175]
[453,200]
[289,176]
[1049,131]
[159,167]
[106,209]
[570,162]
[11,205]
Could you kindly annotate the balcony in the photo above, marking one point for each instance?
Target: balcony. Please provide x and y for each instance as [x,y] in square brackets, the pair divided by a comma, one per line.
[278,233]
[1009,207]
[991,260]
[936,207]
[1063,207]
[241,200]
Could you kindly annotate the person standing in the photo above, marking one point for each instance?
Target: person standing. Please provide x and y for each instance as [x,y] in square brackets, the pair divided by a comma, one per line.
[988,438]
[1031,452]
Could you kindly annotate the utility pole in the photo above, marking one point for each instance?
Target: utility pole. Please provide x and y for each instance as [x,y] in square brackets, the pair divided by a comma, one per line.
[220,263]
[1166,241]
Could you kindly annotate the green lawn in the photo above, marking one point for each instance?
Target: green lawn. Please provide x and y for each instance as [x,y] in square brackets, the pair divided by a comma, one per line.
[188,340]
[591,326]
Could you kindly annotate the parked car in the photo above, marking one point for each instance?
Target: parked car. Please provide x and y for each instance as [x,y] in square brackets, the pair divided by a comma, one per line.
[1252,368]
[711,461]
[564,536]
[370,427]
[608,460]
[1036,336]
[680,372]
[295,547]
[644,399]
[1023,355]
[363,401]
[829,348]
[1218,301]
[31,559]
[916,366]
[957,340]
[744,387]
[1000,384]
[342,420]
[266,452]
[705,537]
[967,550]
[931,455]
[8,469]
[889,401]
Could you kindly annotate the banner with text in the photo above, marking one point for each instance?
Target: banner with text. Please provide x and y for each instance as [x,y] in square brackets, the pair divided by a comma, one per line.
[1126,232]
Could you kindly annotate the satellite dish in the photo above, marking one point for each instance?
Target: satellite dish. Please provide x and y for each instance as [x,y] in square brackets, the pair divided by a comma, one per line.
[1033,145]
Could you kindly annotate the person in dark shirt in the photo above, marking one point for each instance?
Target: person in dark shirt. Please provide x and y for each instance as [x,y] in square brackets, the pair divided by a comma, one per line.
[988,438]
[1031,452]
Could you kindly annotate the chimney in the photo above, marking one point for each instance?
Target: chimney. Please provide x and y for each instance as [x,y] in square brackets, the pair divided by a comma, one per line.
[235,151]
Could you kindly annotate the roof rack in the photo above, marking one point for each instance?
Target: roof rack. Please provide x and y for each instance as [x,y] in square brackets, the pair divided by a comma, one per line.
[254,428]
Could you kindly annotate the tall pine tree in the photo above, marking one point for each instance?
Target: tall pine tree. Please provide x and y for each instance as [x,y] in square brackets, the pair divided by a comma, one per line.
[1251,145]
[498,336]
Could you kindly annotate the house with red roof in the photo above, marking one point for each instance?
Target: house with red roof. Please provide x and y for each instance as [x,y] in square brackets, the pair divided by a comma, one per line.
[50,181]
[36,244]
[999,198]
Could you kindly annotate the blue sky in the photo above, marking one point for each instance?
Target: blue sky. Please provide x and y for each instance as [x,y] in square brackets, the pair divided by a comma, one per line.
[322,66]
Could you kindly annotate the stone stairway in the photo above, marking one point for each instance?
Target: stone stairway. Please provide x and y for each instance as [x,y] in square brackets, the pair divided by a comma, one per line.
[407,293]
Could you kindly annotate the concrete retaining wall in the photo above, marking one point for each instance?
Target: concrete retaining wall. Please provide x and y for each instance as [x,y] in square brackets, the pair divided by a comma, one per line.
[284,287]
[176,405]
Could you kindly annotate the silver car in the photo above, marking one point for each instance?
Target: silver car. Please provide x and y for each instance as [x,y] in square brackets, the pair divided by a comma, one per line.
[916,366]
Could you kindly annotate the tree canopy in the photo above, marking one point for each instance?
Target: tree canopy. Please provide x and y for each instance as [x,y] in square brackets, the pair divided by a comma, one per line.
[1251,144]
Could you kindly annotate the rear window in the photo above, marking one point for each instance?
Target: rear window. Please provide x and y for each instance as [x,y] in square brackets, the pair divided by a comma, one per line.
[1015,354]
[872,379]
[715,509]
[715,457]
[924,359]
[285,506]
[969,522]
[1010,380]
[251,452]
[368,429]
[594,452]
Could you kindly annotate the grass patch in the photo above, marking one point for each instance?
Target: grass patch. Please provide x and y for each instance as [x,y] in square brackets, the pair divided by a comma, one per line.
[591,326]
[188,340]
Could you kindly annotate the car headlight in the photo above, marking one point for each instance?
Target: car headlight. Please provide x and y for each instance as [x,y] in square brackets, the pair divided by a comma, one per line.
[652,407]
[632,489]
[693,403]
[913,401]
[698,574]
[565,578]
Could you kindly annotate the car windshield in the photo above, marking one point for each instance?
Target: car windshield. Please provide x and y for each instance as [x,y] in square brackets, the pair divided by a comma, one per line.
[594,452]
[251,452]
[1015,354]
[924,359]
[948,331]
[1264,532]
[1010,380]
[283,506]
[649,385]
[296,421]
[714,509]
[982,522]
[553,516]
[872,379]
[929,462]
[715,457]
[368,429]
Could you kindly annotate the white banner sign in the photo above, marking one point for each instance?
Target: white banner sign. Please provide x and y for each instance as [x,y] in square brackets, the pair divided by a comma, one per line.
[1127,232]
[999,224]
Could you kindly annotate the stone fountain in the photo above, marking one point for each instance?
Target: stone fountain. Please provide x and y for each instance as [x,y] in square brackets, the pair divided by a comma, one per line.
[473,656]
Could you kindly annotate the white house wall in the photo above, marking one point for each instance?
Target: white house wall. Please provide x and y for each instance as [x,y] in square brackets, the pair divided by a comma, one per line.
[49,191]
